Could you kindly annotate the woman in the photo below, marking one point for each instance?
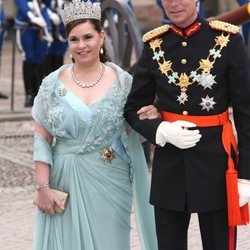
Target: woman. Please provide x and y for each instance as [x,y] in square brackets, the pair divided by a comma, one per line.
[82,148]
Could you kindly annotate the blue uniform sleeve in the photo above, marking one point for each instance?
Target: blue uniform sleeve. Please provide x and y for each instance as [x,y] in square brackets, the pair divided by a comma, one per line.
[22,6]
[245,27]
[3,21]
[47,3]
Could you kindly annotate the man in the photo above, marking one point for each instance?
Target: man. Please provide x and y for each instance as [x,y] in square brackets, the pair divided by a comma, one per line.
[195,70]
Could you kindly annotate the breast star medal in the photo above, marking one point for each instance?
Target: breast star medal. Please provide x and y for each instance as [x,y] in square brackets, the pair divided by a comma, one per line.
[207,103]
[108,154]
[207,80]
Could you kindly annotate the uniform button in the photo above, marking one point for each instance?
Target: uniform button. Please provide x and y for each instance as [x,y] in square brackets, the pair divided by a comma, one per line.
[184,44]
[183,61]
[185,112]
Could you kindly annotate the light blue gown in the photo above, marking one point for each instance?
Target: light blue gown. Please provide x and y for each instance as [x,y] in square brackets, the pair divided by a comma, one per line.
[97,216]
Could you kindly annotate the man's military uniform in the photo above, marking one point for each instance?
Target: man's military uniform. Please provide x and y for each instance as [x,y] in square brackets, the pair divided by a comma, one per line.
[32,46]
[199,71]
[58,48]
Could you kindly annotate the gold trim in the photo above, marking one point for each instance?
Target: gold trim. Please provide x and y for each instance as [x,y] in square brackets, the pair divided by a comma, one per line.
[155,33]
[224,26]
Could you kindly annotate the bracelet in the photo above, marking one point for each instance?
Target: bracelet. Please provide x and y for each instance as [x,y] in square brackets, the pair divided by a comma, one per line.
[40,186]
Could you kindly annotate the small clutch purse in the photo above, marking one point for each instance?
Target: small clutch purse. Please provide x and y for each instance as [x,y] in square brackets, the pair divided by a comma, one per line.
[63,196]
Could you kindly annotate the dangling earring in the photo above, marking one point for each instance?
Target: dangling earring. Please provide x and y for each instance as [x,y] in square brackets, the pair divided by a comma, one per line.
[101,51]
[72,58]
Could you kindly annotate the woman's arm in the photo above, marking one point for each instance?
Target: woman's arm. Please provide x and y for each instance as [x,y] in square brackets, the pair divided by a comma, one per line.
[47,200]
[42,168]
[149,112]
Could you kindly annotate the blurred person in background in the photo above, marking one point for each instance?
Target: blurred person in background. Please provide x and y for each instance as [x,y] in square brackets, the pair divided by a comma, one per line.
[33,26]
[246,26]
[57,49]
[2,34]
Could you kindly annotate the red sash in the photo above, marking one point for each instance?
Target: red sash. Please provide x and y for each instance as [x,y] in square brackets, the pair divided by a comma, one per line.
[236,215]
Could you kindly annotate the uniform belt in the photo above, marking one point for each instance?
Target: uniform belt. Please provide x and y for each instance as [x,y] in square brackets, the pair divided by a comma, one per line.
[200,121]
[236,215]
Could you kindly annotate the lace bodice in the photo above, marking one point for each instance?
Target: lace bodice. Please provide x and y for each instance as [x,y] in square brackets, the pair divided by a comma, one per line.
[70,120]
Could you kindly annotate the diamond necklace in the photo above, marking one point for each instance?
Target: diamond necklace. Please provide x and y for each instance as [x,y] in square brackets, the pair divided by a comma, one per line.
[89,85]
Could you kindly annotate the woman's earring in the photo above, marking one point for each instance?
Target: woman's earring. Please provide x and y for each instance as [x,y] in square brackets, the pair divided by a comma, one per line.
[72,58]
[101,51]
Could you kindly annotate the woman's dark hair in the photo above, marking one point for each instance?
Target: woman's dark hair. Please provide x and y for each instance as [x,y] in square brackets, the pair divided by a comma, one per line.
[97,26]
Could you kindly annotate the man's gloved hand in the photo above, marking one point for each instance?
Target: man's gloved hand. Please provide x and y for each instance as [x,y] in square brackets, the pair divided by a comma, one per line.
[36,20]
[178,134]
[244,191]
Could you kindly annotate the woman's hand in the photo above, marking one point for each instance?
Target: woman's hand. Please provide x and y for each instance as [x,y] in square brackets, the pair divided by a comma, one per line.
[48,201]
[148,112]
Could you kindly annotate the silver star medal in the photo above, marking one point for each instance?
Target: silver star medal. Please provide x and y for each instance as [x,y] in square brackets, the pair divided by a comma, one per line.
[207,80]
[207,103]
[182,98]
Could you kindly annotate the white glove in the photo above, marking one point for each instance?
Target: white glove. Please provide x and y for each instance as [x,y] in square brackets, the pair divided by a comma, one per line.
[178,134]
[31,6]
[36,20]
[244,191]
[60,4]
[54,17]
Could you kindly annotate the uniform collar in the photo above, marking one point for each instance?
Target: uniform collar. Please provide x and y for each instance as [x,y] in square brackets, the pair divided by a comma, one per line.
[188,31]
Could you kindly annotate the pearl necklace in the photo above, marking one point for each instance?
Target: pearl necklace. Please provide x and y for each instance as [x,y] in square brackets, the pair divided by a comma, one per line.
[89,85]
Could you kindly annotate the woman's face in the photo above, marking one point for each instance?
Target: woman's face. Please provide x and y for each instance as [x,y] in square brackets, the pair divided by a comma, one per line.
[85,43]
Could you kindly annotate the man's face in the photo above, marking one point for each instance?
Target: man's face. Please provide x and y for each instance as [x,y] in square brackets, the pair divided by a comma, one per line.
[180,12]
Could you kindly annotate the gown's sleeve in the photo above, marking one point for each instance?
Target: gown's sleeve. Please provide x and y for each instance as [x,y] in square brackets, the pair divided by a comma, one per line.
[141,185]
[42,150]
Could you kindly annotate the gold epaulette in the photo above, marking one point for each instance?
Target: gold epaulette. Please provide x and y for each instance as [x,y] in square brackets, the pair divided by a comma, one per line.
[157,32]
[223,26]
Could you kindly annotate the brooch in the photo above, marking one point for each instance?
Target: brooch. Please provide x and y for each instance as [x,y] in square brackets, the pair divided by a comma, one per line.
[108,154]
[62,92]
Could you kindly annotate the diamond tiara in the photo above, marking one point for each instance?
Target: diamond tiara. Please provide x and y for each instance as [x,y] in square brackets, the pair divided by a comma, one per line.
[78,9]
